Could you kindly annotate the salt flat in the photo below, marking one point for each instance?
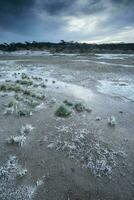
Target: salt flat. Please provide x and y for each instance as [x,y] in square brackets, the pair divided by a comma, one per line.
[76,157]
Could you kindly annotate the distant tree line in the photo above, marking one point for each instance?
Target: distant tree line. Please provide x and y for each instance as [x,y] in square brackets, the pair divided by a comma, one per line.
[69,47]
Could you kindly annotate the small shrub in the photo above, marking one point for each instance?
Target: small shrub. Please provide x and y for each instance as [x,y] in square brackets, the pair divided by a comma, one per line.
[43,85]
[8,81]
[16,88]
[27,92]
[63,111]
[37,78]
[3,87]
[22,173]
[24,76]
[33,103]
[24,113]
[12,103]
[18,97]
[10,87]
[36,85]
[25,82]
[38,96]
[79,107]
[68,103]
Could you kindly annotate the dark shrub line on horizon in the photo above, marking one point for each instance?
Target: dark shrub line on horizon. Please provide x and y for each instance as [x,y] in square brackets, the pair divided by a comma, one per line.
[69,47]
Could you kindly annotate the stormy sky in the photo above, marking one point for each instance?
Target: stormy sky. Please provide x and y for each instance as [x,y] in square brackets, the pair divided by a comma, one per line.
[93,21]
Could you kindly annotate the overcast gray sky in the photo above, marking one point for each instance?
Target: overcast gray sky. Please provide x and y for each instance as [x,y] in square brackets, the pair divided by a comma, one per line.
[93,21]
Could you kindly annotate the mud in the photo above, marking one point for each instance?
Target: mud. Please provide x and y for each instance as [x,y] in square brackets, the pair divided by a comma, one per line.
[78,157]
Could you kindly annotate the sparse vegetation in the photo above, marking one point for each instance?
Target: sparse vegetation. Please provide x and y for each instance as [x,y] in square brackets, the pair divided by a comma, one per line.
[68,103]
[43,85]
[36,78]
[12,103]
[34,103]
[38,96]
[18,97]
[79,107]
[10,87]
[24,76]
[22,173]
[27,82]
[27,92]
[34,95]
[24,113]
[8,81]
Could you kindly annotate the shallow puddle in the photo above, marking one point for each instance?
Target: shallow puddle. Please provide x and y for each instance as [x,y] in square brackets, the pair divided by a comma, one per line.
[117,88]
[113,64]
[114,56]
[75,91]
[52,84]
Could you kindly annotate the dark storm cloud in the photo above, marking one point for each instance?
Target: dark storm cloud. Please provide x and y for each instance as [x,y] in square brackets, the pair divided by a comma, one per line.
[54,19]
[73,7]
[15,14]
[54,7]
[14,9]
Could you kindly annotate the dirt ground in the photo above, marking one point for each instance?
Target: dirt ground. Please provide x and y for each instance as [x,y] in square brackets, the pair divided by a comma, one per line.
[79,157]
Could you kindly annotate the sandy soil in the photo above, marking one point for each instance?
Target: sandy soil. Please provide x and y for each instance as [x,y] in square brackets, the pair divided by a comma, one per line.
[79,157]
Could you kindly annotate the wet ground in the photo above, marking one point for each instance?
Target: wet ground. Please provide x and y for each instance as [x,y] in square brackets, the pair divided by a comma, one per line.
[79,157]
